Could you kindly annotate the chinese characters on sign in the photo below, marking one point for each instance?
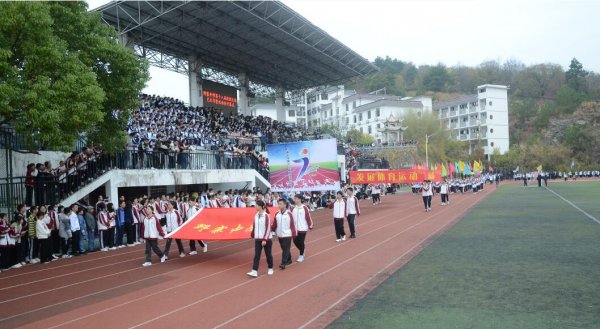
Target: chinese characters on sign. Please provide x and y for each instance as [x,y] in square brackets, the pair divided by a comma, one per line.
[393,176]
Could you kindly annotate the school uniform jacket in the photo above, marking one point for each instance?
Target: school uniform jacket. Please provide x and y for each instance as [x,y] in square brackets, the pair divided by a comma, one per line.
[41,230]
[191,211]
[4,229]
[261,230]
[283,225]
[302,219]
[213,204]
[103,222]
[151,228]
[174,220]
[349,202]
[339,209]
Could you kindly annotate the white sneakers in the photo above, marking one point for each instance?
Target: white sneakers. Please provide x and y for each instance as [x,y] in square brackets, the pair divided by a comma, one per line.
[205,247]
[34,261]
[131,245]
[17,265]
[338,240]
[146,264]
[163,259]
[182,255]
[254,273]
[300,259]
[104,249]
[113,248]
[192,253]
[344,238]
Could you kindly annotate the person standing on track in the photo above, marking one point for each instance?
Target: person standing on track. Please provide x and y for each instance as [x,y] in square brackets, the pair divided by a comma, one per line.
[352,211]
[302,222]
[283,225]
[151,230]
[376,194]
[174,220]
[339,213]
[261,233]
[192,209]
[444,193]
[427,194]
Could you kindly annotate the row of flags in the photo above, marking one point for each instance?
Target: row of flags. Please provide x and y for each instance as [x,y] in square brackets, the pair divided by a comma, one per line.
[458,167]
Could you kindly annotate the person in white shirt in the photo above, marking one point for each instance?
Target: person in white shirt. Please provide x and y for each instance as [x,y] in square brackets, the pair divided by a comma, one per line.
[174,220]
[42,233]
[427,194]
[261,233]
[283,225]
[376,194]
[192,210]
[339,213]
[352,211]
[444,193]
[151,230]
[302,222]
[75,230]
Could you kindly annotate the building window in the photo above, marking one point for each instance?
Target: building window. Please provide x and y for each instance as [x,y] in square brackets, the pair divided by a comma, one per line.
[490,103]
[491,117]
[377,112]
[369,115]
[492,144]
[291,113]
[491,130]
[346,107]
[324,96]
[337,111]
[482,90]
[353,104]
[360,117]
[355,118]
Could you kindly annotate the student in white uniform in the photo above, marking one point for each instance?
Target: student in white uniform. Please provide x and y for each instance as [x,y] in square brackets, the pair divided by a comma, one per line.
[303,223]
[261,233]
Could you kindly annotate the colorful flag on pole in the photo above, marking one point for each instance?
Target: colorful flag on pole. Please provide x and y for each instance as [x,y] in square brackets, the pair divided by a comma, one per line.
[461,166]
[444,172]
[452,168]
[539,168]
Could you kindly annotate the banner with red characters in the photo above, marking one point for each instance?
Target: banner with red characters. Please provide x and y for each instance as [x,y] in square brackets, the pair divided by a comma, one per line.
[394,176]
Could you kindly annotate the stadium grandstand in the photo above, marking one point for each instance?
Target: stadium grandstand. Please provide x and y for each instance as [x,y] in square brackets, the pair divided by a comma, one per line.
[243,46]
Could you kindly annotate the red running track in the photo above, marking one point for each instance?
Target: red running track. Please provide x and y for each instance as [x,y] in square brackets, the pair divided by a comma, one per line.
[211,290]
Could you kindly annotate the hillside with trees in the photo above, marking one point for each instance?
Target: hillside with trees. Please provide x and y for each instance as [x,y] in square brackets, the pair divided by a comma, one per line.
[554,113]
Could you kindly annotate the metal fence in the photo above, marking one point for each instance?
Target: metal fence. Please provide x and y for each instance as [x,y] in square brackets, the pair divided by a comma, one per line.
[51,189]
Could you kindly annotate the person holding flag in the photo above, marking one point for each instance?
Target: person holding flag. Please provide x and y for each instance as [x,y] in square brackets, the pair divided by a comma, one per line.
[283,225]
[302,222]
[192,209]
[174,220]
[261,233]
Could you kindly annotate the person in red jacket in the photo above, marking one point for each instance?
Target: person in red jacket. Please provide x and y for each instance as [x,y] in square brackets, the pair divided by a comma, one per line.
[151,230]
[302,222]
[261,233]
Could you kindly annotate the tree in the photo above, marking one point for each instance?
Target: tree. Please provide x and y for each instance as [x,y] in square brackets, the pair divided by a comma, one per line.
[333,131]
[356,137]
[63,75]
[575,76]
[437,78]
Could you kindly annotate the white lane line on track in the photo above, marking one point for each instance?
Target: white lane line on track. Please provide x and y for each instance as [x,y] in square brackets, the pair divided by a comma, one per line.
[297,286]
[574,206]
[151,277]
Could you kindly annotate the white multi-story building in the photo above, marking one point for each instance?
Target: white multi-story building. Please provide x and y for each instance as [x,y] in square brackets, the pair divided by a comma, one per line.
[366,113]
[480,119]
[294,114]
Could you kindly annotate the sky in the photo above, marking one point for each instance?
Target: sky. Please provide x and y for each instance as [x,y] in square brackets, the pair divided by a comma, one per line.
[452,32]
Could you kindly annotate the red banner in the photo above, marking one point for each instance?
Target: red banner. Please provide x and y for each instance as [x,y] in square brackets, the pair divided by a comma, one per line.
[218,224]
[393,176]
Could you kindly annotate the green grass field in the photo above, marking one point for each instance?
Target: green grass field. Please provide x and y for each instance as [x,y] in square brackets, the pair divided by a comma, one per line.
[324,165]
[523,258]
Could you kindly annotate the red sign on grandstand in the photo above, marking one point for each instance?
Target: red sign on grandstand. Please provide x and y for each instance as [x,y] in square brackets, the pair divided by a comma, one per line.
[219,96]
[393,176]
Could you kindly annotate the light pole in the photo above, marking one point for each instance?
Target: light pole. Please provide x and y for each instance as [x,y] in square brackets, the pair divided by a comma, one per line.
[427,146]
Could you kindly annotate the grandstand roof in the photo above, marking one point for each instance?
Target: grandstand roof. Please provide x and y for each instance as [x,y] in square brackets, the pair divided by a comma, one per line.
[269,41]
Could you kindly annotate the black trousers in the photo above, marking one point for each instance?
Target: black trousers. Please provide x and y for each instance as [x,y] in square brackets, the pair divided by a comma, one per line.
[193,244]
[376,197]
[111,237]
[444,197]
[427,201]
[168,246]
[152,245]
[339,227]
[103,238]
[286,253]
[55,242]
[75,235]
[258,251]
[130,233]
[45,250]
[65,245]
[299,242]
[351,219]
